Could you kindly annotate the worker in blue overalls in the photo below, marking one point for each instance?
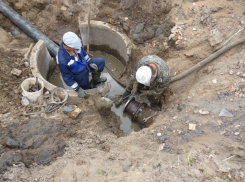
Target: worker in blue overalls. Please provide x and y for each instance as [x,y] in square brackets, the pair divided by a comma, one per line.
[75,65]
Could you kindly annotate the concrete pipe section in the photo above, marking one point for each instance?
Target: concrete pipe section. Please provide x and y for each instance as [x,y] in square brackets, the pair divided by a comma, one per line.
[103,37]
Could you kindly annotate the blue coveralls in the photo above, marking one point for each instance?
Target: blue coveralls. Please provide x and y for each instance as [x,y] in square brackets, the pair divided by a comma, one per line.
[75,69]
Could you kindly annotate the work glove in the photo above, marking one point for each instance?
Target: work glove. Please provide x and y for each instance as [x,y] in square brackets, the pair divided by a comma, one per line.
[81,93]
[94,66]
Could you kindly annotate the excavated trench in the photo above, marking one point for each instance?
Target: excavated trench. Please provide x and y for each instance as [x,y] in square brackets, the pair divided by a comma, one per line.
[105,42]
[38,140]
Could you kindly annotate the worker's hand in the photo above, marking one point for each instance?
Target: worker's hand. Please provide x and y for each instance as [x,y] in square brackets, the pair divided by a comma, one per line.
[94,66]
[81,93]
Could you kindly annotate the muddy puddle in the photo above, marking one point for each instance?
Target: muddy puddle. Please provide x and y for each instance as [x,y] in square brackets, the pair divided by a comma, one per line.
[116,67]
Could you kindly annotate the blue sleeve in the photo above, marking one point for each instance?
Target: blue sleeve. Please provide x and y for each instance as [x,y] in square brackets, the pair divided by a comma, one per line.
[67,74]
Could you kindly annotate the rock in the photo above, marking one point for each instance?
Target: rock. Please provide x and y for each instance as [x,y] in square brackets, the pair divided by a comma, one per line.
[26,64]
[128,4]
[35,142]
[173,37]
[16,91]
[47,93]
[196,111]
[103,89]
[194,29]
[237,133]
[203,112]
[241,175]
[195,8]
[63,8]
[161,146]
[215,37]
[138,39]
[165,28]
[183,26]
[11,143]
[231,72]
[139,28]
[159,134]
[192,126]
[16,72]
[11,177]
[125,27]
[148,33]
[203,18]
[222,132]
[225,113]
[127,165]
[214,80]
[175,117]
[162,139]
[219,122]
[229,176]
[103,103]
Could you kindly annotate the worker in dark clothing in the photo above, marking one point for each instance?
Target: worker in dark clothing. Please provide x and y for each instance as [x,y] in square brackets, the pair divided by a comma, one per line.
[75,65]
[151,77]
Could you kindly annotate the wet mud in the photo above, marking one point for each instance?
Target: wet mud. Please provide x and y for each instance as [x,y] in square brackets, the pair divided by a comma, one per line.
[34,141]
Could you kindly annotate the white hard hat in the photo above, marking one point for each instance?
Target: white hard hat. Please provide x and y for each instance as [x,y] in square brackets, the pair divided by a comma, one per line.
[143,75]
[72,40]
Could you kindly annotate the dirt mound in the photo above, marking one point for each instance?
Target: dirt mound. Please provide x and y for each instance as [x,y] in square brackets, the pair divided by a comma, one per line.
[140,20]
[34,141]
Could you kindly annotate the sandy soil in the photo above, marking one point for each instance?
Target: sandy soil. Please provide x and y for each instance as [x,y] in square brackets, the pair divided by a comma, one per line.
[92,148]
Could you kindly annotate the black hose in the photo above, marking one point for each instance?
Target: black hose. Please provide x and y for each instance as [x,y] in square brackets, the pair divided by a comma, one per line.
[207,60]
[115,78]
[28,28]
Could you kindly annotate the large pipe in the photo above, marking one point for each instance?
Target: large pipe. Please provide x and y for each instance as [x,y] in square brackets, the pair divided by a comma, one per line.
[28,28]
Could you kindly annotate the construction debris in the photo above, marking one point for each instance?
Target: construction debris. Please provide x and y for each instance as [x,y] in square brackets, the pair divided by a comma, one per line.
[72,113]
[192,126]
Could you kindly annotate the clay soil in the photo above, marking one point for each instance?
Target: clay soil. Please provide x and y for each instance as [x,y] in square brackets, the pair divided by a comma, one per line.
[54,147]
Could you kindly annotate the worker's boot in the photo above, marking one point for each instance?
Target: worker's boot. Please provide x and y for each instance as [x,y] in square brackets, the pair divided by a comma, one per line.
[121,99]
[96,79]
